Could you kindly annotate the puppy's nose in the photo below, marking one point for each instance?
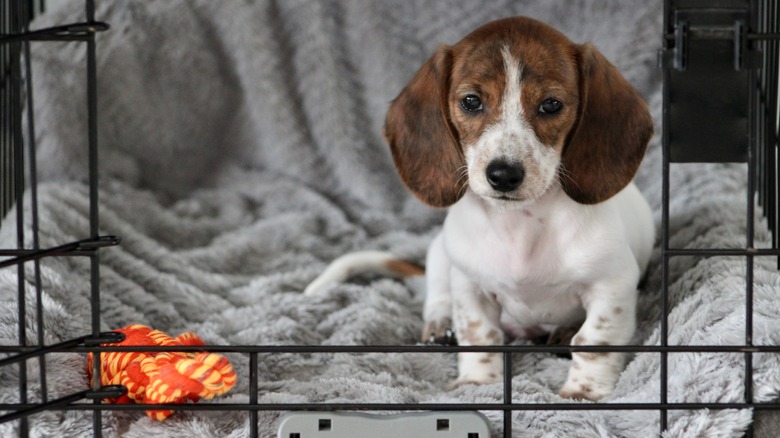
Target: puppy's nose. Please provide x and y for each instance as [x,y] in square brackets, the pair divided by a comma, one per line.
[503,176]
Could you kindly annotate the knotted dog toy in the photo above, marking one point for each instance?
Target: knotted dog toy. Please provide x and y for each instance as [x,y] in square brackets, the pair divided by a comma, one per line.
[163,377]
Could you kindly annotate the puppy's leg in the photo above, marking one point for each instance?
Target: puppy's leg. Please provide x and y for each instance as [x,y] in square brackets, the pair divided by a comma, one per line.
[477,322]
[437,310]
[611,320]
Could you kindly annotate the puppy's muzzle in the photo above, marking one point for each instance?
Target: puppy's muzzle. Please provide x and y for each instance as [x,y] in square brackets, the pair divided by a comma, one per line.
[504,176]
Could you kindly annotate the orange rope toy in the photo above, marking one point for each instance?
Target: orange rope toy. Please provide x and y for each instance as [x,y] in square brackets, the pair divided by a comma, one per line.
[163,377]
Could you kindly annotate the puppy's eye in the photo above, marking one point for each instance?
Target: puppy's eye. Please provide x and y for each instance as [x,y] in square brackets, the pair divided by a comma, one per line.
[471,103]
[550,106]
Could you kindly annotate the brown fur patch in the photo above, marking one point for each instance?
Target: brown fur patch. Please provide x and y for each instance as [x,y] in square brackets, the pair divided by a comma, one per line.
[602,323]
[586,356]
[478,68]
[605,148]
[495,336]
[492,337]
[404,268]
[549,72]
[601,353]
[488,358]
[426,152]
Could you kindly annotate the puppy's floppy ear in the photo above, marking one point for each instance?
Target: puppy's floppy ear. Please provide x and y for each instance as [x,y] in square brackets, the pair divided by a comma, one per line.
[419,130]
[608,141]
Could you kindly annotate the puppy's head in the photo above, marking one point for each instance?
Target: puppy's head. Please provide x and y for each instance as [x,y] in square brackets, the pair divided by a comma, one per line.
[514,109]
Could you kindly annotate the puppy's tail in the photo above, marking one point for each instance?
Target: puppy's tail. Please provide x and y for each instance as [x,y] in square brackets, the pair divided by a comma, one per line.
[363,262]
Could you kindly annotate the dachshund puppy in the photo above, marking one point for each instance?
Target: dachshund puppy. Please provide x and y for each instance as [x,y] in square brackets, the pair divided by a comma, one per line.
[532,142]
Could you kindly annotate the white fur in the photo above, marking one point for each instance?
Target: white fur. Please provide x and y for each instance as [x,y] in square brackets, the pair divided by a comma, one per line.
[553,262]
[350,264]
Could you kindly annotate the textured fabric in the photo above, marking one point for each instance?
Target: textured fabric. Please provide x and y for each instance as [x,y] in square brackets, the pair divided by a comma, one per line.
[241,150]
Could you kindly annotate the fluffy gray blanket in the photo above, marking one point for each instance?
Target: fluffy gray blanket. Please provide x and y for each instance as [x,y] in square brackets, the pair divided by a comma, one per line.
[240,152]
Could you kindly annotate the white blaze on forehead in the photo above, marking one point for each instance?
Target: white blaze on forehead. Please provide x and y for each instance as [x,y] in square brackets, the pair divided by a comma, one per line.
[512,111]
[514,138]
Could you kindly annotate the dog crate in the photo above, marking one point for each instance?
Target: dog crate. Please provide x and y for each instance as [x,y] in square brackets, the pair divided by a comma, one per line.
[723,48]
[720,105]
[18,167]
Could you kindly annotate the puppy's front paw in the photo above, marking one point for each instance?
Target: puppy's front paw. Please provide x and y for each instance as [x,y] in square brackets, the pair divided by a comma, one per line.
[579,388]
[592,376]
[475,380]
[478,369]
[439,332]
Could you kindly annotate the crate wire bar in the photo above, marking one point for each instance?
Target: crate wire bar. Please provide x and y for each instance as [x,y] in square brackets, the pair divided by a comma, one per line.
[754,36]
[15,65]
[710,27]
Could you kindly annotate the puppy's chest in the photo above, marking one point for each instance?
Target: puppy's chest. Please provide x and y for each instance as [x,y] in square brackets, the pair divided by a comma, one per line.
[521,261]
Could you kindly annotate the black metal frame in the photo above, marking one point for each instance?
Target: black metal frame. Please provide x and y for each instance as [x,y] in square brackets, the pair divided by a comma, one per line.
[729,49]
[15,67]
[751,33]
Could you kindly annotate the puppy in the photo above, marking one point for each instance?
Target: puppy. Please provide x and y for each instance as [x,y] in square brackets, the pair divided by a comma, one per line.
[532,142]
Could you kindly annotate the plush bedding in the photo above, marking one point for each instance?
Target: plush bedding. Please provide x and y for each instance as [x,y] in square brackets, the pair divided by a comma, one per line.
[241,151]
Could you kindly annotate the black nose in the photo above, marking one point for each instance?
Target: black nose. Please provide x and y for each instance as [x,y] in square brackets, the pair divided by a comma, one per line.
[503,176]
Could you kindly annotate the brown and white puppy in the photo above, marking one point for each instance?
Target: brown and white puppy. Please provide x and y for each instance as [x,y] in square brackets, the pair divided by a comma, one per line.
[532,142]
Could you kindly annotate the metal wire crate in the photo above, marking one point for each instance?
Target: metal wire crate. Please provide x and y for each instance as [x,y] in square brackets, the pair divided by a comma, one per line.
[728,45]
[727,49]
[18,160]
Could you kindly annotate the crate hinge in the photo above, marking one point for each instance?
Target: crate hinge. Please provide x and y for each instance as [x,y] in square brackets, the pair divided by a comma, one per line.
[676,55]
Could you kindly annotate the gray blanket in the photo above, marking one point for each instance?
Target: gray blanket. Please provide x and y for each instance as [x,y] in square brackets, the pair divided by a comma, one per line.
[240,152]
